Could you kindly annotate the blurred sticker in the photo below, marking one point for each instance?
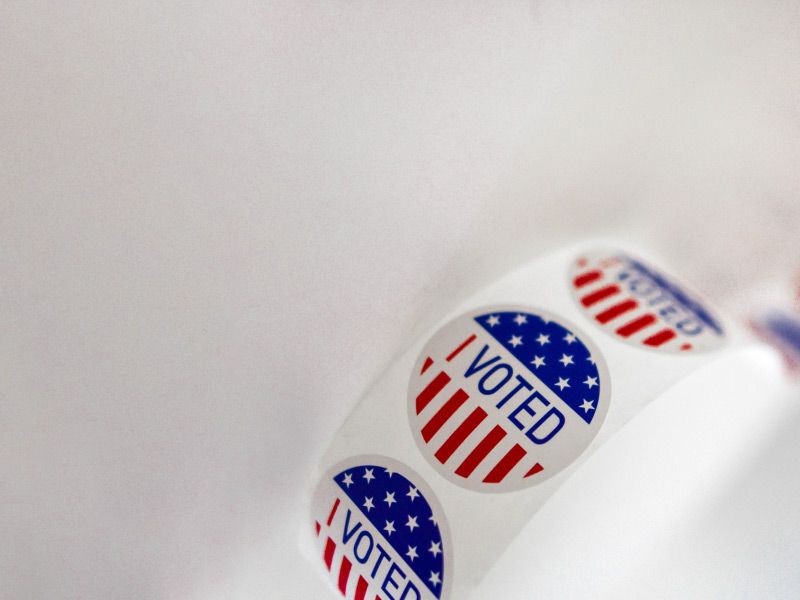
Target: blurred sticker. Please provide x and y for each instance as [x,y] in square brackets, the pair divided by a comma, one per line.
[781,329]
[505,397]
[381,533]
[637,304]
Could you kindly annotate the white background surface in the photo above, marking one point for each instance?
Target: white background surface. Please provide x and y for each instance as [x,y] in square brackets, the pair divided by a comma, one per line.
[220,221]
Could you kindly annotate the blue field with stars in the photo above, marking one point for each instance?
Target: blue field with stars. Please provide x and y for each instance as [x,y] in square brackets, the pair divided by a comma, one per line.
[552,353]
[397,509]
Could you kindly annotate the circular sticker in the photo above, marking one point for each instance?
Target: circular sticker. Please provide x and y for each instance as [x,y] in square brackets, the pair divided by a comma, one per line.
[504,397]
[381,532]
[638,305]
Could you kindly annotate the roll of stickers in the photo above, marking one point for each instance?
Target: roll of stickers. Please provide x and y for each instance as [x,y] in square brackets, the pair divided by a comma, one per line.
[474,427]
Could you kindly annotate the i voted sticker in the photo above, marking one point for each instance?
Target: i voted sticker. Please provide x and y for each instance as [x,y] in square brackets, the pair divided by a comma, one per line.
[381,533]
[505,397]
[637,304]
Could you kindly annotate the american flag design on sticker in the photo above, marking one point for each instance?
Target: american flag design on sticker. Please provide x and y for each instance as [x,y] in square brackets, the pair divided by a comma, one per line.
[638,305]
[380,533]
[506,397]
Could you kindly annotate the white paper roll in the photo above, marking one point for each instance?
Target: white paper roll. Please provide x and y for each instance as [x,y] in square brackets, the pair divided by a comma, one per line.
[465,437]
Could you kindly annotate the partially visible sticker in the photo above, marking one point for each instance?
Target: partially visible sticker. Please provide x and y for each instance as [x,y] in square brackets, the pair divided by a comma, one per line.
[638,305]
[505,397]
[381,533]
[781,329]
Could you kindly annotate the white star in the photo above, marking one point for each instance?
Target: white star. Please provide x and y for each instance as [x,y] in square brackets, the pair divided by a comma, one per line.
[591,381]
[411,523]
[590,359]
[566,359]
[389,472]
[389,527]
[520,319]
[538,361]
[348,480]
[569,338]
[412,552]
[516,340]
[435,549]
[389,498]
[368,475]
[587,406]
[493,320]
[543,339]
[368,504]
[562,383]
[434,578]
[413,493]
[433,520]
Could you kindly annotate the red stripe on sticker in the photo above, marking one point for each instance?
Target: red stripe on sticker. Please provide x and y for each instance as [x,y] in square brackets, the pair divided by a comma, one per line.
[427,365]
[361,589]
[537,468]
[629,329]
[508,462]
[330,548]
[344,575]
[662,337]
[618,309]
[430,391]
[460,434]
[600,295]
[485,446]
[463,345]
[333,512]
[586,278]
[443,414]
[317,527]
